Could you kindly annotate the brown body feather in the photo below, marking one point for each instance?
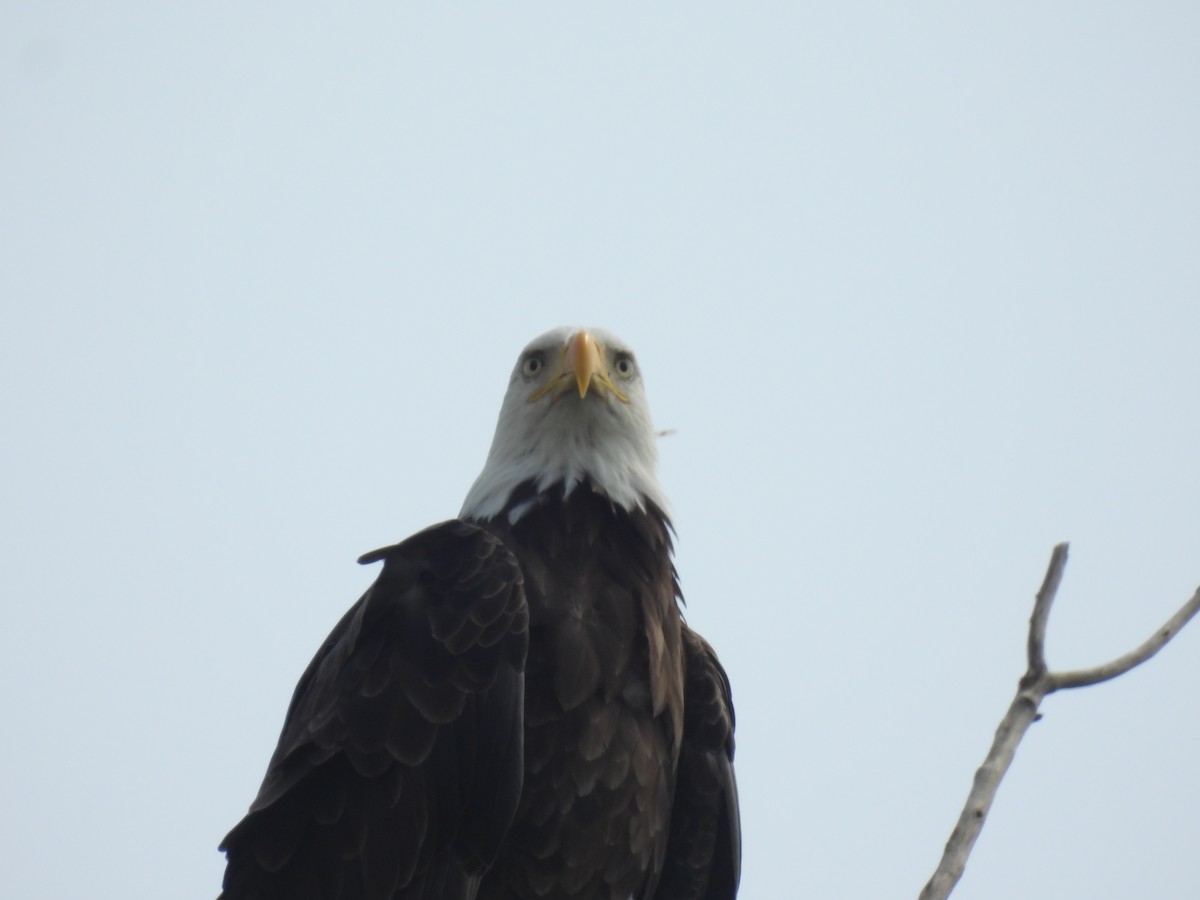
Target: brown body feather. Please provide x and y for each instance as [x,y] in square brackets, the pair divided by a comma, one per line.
[512,712]
[603,701]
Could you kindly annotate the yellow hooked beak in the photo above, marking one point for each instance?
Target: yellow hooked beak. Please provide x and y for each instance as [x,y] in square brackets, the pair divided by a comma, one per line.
[582,363]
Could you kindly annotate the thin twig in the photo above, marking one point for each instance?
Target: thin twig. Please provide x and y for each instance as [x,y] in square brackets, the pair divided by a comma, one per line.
[1034,686]
[1122,664]
[1041,610]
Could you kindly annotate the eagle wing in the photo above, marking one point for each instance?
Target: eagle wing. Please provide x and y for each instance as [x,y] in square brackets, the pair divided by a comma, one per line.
[704,852]
[399,767]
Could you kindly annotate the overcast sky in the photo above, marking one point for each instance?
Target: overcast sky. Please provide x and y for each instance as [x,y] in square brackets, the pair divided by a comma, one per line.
[917,286]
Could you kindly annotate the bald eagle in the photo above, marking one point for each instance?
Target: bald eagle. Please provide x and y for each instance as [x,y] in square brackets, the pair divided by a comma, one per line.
[515,709]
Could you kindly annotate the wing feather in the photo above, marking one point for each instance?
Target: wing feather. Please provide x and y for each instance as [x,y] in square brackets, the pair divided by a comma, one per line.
[399,765]
[704,849]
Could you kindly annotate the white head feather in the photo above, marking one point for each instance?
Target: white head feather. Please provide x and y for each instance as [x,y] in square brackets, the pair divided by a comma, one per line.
[554,435]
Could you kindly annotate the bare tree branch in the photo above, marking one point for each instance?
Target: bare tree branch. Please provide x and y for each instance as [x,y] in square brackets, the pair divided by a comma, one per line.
[1037,682]
[1122,664]
[1041,609]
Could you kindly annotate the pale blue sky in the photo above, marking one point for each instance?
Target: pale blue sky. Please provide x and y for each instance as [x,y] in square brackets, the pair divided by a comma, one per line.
[917,286]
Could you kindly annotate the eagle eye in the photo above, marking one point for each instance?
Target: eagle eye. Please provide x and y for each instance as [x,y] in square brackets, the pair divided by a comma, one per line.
[532,365]
[623,365]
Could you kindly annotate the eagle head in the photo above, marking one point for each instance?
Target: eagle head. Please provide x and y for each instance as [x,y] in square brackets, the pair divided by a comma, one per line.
[575,412]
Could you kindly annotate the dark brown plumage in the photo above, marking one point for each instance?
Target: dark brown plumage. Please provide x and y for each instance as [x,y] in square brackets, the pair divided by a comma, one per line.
[515,710]
[399,766]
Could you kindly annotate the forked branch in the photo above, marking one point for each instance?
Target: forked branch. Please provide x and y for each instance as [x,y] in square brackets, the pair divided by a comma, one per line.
[1037,682]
